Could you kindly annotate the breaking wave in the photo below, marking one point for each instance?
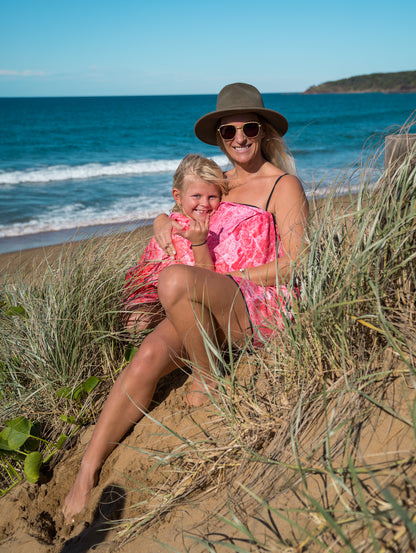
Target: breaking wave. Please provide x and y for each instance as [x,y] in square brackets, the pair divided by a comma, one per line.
[55,173]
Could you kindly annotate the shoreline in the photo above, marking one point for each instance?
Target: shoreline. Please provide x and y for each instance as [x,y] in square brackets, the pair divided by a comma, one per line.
[41,240]
[52,244]
[30,260]
[16,244]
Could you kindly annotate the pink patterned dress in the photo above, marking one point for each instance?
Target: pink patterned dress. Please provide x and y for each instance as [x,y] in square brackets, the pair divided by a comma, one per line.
[240,236]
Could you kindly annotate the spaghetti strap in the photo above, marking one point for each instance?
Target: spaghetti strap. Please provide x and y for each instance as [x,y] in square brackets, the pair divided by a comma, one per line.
[274,186]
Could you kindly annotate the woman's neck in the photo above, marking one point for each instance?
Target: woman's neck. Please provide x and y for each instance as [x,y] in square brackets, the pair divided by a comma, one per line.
[242,174]
[256,165]
[251,187]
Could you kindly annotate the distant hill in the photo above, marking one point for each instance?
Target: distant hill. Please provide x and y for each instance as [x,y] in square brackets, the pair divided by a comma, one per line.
[403,81]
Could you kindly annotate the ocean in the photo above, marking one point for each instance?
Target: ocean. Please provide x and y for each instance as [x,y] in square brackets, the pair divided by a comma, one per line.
[73,167]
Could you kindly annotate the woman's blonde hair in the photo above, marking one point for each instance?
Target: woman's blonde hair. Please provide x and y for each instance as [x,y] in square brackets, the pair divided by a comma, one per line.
[273,148]
[204,168]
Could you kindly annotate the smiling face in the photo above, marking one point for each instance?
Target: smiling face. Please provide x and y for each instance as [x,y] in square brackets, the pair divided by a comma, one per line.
[241,149]
[198,197]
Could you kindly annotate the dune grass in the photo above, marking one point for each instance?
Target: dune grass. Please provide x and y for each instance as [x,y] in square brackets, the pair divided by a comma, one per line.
[295,452]
[300,448]
[60,339]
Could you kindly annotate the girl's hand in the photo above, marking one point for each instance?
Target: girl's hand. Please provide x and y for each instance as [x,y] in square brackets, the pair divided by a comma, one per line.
[197,236]
[197,232]
[162,230]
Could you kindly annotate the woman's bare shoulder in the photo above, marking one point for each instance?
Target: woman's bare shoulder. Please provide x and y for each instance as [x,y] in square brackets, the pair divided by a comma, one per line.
[289,191]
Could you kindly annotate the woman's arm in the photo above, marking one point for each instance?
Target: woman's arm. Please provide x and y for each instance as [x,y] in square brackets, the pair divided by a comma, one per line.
[290,208]
[162,230]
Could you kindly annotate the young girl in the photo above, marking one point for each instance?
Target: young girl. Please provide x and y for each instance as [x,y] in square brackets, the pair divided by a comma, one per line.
[223,237]
[198,186]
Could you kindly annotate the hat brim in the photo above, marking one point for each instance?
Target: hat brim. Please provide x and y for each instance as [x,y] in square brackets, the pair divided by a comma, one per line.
[206,127]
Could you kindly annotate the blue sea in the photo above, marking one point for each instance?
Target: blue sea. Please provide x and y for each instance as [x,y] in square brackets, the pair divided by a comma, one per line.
[79,166]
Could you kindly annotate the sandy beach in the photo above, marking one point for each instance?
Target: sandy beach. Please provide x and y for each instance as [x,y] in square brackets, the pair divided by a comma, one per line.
[30,514]
[24,261]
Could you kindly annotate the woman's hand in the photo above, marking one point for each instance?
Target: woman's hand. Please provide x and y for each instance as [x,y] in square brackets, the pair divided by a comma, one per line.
[162,230]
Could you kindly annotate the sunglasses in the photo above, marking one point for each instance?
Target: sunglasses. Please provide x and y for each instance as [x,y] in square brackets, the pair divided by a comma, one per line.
[250,129]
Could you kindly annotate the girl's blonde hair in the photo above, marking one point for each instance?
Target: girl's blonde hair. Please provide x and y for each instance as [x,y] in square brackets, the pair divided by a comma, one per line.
[273,148]
[204,168]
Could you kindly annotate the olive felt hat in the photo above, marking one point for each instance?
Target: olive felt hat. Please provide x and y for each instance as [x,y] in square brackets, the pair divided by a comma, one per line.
[233,99]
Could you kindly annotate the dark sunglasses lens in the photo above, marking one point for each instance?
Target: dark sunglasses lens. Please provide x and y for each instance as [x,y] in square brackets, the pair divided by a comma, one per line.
[227,132]
[251,129]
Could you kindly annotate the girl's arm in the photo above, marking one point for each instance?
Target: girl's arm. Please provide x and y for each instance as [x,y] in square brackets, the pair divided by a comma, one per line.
[203,257]
[197,236]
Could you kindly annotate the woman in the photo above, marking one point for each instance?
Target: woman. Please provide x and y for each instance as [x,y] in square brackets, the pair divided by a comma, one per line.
[254,172]
[251,137]
[199,301]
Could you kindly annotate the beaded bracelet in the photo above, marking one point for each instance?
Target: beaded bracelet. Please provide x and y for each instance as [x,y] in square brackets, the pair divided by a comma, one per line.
[245,273]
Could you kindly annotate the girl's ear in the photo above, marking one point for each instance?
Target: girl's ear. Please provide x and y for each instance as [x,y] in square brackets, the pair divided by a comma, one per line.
[176,196]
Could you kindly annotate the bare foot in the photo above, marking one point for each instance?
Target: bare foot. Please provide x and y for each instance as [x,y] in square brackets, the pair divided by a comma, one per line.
[79,494]
[195,399]
[198,393]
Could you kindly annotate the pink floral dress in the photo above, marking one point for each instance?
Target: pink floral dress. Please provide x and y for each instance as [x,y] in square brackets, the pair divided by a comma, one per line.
[240,236]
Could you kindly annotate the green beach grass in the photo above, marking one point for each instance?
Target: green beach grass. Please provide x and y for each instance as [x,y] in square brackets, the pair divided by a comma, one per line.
[310,443]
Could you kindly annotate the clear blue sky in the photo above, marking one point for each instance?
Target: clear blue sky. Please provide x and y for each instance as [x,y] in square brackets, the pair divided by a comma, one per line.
[119,47]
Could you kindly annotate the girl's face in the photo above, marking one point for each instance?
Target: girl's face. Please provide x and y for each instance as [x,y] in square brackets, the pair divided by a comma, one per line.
[241,148]
[198,198]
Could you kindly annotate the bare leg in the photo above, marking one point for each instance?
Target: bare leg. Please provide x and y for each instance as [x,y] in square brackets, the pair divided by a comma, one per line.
[193,298]
[126,404]
[144,317]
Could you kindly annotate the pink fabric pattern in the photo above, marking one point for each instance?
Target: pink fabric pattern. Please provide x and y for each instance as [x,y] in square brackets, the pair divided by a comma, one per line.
[240,236]
[141,280]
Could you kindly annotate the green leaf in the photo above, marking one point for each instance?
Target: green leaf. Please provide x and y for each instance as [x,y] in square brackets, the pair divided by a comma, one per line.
[19,432]
[32,466]
[21,424]
[89,385]
[16,310]
[31,444]
[4,439]
[71,392]
[64,392]
[70,420]
[130,352]
[61,440]
[80,391]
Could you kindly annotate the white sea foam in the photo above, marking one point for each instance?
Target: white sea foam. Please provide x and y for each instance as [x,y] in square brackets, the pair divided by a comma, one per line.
[54,173]
[76,216]
[122,211]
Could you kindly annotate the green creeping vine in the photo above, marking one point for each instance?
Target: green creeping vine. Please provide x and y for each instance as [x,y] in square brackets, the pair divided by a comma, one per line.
[19,441]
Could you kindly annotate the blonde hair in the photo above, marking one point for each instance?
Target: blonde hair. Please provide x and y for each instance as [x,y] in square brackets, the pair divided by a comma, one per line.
[204,168]
[273,148]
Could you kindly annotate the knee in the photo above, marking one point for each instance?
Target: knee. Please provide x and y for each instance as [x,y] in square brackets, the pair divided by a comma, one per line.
[147,366]
[174,283]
